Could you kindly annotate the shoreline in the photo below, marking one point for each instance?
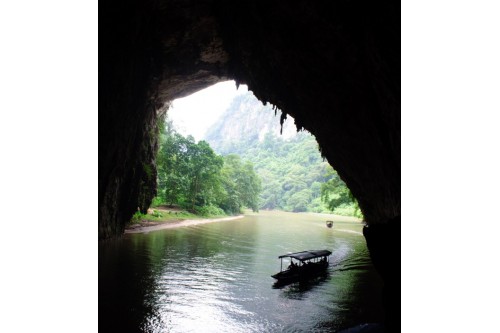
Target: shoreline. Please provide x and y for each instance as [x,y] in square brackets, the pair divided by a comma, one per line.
[178,224]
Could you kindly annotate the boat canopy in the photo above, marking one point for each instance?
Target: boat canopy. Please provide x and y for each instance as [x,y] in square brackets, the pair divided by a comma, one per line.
[306,255]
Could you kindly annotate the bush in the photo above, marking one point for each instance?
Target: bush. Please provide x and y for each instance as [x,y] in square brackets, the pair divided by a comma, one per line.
[137,217]
[317,206]
[209,211]
[156,213]
[157,201]
[348,210]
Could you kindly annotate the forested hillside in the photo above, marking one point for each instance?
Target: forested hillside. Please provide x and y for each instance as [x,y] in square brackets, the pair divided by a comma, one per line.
[294,175]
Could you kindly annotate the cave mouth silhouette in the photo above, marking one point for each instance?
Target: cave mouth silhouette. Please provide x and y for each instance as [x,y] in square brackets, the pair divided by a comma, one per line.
[333,66]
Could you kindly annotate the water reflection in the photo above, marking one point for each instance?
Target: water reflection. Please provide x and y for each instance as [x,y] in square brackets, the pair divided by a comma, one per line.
[296,290]
[216,278]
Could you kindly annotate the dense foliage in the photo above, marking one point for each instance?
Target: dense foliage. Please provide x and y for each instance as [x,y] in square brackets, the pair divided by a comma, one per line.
[337,196]
[292,172]
[241,185]
[294,175]
[192,176]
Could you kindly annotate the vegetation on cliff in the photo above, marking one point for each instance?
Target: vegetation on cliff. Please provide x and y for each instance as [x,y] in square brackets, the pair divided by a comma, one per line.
[294,175]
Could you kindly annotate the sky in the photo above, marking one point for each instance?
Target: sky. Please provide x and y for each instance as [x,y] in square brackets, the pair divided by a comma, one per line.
[195,113]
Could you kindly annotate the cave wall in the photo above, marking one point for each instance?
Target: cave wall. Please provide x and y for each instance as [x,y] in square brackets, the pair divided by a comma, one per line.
[128,104]
[150,52]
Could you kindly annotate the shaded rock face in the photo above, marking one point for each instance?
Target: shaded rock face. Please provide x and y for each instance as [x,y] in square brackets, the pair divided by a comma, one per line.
[384,243]
[332,65]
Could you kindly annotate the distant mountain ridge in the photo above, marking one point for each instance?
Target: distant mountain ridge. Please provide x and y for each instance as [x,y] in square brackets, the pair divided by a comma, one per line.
[246,120]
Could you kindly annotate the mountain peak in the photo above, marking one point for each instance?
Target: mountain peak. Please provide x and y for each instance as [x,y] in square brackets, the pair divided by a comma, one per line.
[247,119]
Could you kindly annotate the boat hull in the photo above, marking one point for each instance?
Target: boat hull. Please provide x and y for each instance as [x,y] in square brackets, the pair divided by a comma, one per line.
[301,273]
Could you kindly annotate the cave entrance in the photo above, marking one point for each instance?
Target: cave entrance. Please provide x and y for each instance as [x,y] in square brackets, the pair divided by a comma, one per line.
[291,171]
[222,150]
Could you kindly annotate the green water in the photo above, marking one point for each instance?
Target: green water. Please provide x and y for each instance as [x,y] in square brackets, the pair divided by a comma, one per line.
[216,277]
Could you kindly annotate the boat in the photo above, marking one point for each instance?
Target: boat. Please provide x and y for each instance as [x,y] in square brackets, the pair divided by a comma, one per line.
[303,265]
[329,224]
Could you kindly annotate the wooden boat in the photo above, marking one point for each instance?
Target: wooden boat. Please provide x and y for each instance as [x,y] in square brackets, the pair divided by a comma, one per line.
[303,265]
[329,224]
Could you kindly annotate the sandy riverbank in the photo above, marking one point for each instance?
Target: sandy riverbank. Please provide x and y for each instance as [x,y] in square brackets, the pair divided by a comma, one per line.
[176,224]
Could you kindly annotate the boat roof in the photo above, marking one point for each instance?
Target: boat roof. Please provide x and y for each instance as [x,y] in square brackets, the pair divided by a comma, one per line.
[305,255]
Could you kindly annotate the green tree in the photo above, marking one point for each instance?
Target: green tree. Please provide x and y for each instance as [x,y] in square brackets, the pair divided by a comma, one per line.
[336,194]
[241,183]
[203,173]
[299,201]
[190,174]
[172,165]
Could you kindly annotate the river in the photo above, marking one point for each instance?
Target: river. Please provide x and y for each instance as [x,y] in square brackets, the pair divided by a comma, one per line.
[216,277]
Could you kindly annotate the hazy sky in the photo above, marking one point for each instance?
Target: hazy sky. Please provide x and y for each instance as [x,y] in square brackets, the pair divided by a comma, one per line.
[195,113]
